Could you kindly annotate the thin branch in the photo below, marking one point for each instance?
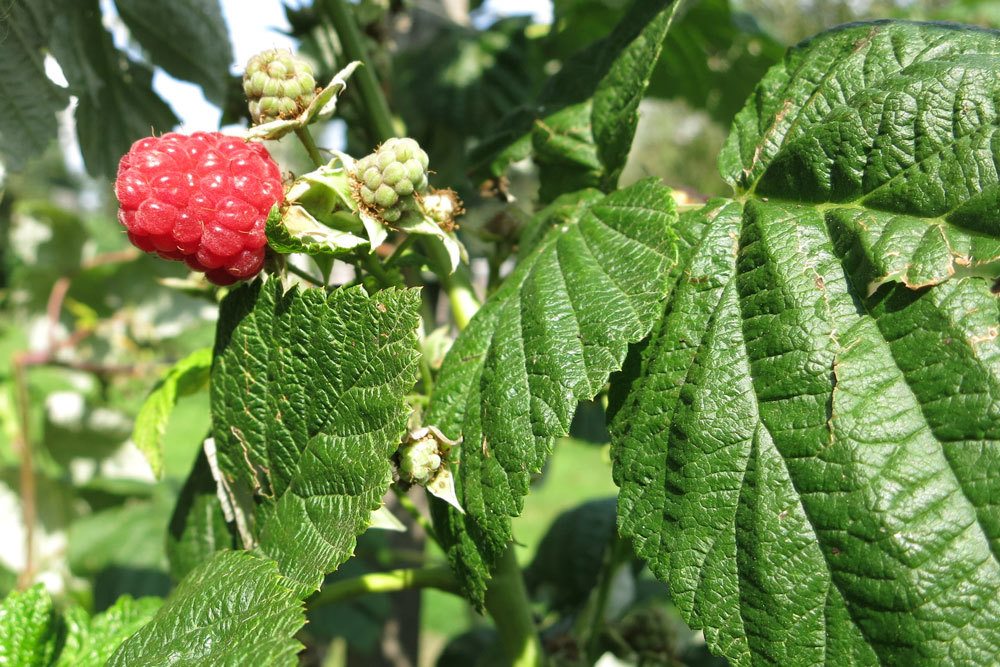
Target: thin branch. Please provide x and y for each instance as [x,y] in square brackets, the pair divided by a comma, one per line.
[392,581]
[26,473]
[291,268]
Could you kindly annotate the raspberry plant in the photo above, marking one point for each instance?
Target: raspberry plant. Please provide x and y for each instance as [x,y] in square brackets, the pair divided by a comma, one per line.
[801,379]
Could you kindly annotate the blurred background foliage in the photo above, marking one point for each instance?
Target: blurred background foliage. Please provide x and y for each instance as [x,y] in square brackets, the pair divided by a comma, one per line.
[88,324]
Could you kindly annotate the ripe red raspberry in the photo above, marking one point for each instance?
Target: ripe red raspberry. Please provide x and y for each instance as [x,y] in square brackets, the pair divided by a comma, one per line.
[202,199]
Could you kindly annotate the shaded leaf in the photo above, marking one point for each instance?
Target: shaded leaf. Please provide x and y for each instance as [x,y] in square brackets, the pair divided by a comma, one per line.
[198,526]
[187,38]
[619,64]
[130,535]
[568,561]
[713,57]
[28,122]
[117,105]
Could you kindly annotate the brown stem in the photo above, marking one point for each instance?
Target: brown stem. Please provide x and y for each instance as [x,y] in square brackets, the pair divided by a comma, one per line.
[22,445]
[54,307]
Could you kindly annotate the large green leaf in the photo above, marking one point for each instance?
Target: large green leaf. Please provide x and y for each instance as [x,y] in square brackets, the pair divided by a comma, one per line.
[29,628]
[28,121]
[810,453]
[308,404]
[548,338]
[117,104]
[233,610]
[187,38]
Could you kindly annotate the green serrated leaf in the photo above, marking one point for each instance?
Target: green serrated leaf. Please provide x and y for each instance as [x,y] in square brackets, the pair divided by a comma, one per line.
[187,376]
[310,387]
[90,642]
[29,628]
[187,38]
[545,340]
[616,100]
[28,122]
[235,609]
[810,453]
[198,526]
[117,105]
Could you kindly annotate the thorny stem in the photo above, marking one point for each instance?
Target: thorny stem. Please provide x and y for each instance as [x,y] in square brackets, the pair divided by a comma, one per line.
[392,581]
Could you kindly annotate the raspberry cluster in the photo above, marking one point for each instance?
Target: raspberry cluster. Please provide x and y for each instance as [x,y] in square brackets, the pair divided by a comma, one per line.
[388,179]
[202,199]
[278,84]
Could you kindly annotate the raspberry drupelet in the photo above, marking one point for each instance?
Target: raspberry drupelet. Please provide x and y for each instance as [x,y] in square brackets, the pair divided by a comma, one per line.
[202,199]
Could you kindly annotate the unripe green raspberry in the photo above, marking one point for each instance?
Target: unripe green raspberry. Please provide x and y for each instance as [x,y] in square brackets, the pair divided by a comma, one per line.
[420,460]
[388,179]
[278,85]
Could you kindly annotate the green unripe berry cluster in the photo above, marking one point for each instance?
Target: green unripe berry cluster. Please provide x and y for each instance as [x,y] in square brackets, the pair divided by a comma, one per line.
[419,461]
[388,178]
[278,85]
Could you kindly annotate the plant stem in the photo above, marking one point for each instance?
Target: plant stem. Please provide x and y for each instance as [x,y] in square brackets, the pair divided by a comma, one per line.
[403,246]
[352,42]
[439,577]
[411,508]
[425,376]
[291,268]
[310,145]
[507,603]
[375,268]
[457,285]
[614,559]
